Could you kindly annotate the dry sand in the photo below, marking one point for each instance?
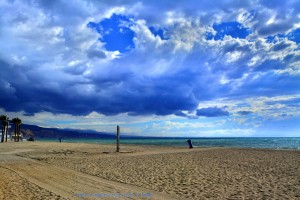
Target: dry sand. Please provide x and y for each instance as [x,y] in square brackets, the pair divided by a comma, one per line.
[65,169]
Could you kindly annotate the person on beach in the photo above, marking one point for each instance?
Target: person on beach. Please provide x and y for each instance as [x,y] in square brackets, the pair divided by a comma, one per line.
[190,143]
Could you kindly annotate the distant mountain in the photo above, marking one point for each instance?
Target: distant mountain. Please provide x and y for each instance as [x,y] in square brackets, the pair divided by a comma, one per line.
[40,132]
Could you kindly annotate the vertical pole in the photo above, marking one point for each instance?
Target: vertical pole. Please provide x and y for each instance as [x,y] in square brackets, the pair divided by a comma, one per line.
[6,134]
[118,138]
[11,134]
[17,133]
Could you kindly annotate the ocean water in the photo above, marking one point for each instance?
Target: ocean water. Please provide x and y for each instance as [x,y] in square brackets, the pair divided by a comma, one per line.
[236,142]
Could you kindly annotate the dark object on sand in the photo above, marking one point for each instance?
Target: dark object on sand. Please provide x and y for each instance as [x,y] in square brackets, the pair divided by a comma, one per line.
[30,139]
[59,140]
[118,139]
[190,143]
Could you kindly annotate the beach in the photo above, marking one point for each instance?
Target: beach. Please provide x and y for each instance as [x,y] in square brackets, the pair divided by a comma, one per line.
[48,170]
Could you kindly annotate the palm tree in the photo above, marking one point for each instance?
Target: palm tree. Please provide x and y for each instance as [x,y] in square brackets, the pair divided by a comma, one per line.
[2,129]
[4,120]
[17,123]
[6,130]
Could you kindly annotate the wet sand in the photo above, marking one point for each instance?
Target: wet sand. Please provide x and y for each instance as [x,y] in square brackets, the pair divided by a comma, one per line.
[165,172]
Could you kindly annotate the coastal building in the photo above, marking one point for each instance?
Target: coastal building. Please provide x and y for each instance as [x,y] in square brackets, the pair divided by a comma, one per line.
[8,135]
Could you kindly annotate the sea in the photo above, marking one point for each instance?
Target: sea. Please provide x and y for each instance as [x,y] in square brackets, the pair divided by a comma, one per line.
[232,142]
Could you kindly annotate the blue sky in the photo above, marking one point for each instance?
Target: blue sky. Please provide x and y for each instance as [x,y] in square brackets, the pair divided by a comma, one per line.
[156,68]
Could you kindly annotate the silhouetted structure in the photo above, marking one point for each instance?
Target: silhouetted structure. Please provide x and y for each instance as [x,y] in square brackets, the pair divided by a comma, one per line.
[4,123]
[190,143]
[118,139]
[17,123]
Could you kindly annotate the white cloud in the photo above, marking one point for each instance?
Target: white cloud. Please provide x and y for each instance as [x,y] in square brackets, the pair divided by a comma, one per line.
[261,108]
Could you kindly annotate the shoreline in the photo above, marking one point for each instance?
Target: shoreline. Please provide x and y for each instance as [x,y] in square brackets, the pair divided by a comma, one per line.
[292,143]
[159,145]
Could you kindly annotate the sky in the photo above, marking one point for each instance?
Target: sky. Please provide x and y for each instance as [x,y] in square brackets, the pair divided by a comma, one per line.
[181,68]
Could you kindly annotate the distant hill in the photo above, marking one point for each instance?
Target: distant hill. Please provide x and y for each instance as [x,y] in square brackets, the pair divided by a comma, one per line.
[40,132]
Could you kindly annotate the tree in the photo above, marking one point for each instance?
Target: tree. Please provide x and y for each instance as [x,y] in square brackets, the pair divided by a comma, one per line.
[17,123]
[4,120]
[19,128]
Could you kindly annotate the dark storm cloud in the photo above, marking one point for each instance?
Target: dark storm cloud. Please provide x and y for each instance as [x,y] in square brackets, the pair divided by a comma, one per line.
[117,93]
[51,61]
[212,112]
[127,93]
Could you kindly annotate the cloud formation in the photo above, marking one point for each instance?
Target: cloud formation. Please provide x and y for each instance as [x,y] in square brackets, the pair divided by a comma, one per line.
[147,57]
[212,112]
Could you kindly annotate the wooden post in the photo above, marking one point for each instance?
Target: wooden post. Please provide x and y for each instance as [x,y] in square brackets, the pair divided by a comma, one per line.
[118,139]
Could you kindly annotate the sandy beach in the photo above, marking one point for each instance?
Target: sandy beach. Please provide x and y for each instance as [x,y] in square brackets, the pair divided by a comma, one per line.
[44,170]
